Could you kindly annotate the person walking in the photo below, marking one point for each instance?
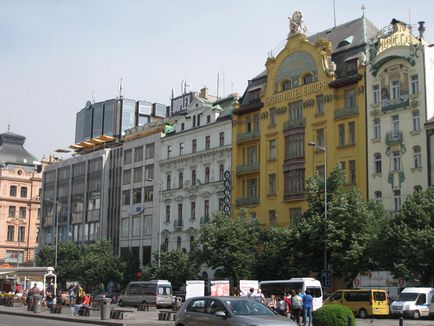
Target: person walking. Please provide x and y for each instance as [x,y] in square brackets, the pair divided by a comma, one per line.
[307,307]
[71,295]
[296,306]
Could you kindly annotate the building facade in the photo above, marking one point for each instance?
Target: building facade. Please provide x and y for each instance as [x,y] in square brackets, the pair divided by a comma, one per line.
[20,185]
[311,92]
[193,162]
[398,85]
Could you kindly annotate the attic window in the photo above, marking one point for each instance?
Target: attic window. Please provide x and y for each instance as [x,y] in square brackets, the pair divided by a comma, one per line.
[347,41]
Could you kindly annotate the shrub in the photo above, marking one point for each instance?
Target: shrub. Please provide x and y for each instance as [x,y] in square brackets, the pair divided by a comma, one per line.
[333,315]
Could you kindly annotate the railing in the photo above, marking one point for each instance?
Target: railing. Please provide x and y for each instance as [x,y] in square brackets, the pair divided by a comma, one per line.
[393,104]
[290,124]
[393,137]
[248,135]
[248,168]
[247,201]
[346,112]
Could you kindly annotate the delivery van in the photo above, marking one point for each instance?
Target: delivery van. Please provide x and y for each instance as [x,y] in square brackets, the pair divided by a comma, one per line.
[362,302]
[413,302]
[157,292]
[280,287]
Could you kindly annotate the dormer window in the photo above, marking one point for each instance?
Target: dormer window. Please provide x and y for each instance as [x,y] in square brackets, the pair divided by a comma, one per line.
[351,65]
[345,42]
[254,94]
[286,84]
[307,78]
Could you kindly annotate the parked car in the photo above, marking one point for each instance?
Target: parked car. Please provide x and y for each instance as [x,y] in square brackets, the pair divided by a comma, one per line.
[240,311]
[103,294]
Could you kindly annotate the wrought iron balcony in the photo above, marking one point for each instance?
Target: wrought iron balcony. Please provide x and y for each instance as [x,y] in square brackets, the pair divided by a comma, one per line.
[248,168]
[290,124]
[247,201]
[255,134]
[393,104]
[178,224]
[394,137]
[346,112]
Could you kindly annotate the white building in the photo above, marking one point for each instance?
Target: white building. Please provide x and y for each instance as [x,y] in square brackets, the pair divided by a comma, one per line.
[193,161]
[397,107]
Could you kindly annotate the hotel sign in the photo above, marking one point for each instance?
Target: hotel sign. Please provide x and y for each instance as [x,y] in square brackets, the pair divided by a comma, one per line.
[401,36]
[296,92]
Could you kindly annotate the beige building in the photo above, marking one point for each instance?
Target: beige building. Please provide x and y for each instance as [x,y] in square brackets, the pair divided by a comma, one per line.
[20,183]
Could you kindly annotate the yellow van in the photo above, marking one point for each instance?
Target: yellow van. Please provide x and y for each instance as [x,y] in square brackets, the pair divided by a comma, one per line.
[362,302]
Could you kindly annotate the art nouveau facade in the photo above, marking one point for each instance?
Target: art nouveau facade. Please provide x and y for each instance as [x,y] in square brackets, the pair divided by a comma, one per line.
[193,160]
[397,112]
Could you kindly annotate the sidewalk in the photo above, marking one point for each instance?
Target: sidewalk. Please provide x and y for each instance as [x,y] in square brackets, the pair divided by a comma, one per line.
[141,317]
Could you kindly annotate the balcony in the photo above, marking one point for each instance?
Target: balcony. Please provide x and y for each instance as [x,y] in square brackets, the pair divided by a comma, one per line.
[393,104]
[346,112]
[177,225]
[247,201]
[248,168]
[255,134]
[291,124]
[204,220]
[393,137]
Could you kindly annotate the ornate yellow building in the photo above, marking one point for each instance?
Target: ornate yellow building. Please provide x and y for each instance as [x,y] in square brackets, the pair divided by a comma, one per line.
[311,92]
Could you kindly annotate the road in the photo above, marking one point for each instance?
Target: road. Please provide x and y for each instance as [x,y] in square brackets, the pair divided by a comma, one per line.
[392,322]
[9,320]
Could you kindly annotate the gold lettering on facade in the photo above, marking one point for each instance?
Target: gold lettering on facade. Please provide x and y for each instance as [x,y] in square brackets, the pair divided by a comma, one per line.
[401,37]
[296,92]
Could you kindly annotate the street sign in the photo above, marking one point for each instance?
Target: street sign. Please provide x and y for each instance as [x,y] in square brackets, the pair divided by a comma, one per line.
[326,278]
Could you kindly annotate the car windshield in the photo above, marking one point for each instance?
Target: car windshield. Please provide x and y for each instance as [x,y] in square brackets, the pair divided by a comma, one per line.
[248,307]
[408,296]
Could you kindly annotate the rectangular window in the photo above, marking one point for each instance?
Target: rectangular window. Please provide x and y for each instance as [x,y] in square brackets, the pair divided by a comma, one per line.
[295,110]
[320,104]
[341,129]
[377,128]
[222,139]
[181,149]
[256,122]
[252,188]
[194,121]
[126,179]
[272,218]
[21,233]
[378,196]
[206,209]
[352,132]
[13,191]
[293,182]
[417,157]
[395,122]
[148,193]
[182,126]
[395,89]
[198,119]
[294,146]
[12,211]
[207,142]
[193,210]
[11,231]
[23,192]
[416,121]
[377,163]
[194,145]
[272,184]
[179,214]
[150,151]
[149,172]
[124,227]
[126,197]
[294,215]
[248,124]
[272,117]
[137,195]
[321,170]
[147,225]
[167,213]
[138,154]
[320,137]
[128,153]
[352,165]
[251,155]
[350,98]
[396,157]
[137,174]
[397,200]
[208,118]
[414,84]
[376,93]
[23,211]
[169,151]
[272,149]
[135,227]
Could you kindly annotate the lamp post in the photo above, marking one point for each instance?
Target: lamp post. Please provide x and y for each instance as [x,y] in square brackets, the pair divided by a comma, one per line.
[324,149]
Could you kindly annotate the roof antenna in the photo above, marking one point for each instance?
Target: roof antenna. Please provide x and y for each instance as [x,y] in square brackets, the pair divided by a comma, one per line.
[334,12]
[120,88]
[218,84]
[9,126]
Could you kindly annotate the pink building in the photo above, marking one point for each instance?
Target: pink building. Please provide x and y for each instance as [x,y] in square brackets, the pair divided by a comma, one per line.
[20,184]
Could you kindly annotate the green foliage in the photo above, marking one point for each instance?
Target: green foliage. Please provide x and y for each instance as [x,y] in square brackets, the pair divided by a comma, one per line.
[132,266]
[333,315]
[228,244]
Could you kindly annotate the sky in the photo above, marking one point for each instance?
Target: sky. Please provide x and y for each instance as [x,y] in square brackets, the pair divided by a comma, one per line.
[55,54]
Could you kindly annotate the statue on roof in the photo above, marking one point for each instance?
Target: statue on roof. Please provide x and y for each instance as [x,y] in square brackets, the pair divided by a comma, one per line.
[296,24]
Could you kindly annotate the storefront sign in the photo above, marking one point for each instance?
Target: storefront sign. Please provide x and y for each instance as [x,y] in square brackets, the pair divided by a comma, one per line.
[296,92]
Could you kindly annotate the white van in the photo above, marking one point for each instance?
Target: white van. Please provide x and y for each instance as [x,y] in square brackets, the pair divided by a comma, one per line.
[413,302]
[279,287]
[157,292]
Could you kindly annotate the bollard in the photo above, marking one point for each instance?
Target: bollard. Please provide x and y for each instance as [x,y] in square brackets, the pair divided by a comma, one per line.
[401,321]
[37,303]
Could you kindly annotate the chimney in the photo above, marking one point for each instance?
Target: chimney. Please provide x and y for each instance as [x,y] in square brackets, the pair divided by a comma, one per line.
[204,92]
[421,29]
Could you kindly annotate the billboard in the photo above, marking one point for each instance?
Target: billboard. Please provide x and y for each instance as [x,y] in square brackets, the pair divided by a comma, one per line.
[219,288]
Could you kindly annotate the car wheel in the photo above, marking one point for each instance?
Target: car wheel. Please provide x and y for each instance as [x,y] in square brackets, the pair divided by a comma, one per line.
[363,313]
[416,314]
[121,303]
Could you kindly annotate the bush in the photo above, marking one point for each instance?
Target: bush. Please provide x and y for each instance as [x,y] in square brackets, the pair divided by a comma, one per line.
[333,315]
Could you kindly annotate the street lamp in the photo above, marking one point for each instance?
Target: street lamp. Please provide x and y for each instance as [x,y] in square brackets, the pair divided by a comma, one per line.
[159,219]
[324,149]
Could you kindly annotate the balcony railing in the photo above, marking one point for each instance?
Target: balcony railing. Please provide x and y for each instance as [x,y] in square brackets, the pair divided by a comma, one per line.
[204,220]
[290,124]
[393,104]
[247,201]
[248,168]
[255,134]
[346,112]
[394,137]
[177,225]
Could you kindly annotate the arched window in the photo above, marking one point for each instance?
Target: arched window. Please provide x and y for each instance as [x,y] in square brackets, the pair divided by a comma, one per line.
[169,181]
[286,84]
[165,245]
[222,172]
[23,192]
[193,177]
[13,191]
[191,242]
[307,78]
[181,180]
[207,174]
[178,243]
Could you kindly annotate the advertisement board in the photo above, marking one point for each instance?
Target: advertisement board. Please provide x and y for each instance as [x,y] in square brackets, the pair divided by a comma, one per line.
[246,285]
[220,288]
[195,288]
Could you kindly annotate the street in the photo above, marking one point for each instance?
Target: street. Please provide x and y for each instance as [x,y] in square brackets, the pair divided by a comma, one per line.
[8,320]
[393,322]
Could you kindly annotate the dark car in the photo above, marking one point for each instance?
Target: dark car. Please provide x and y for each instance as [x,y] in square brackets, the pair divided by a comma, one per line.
[227,311]
[99,295]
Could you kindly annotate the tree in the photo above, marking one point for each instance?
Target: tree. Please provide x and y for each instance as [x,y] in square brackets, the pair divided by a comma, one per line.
[408,245]
[229,245]
[132,266]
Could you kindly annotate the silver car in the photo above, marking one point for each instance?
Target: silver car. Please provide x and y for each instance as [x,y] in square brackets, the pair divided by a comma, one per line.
[226,311]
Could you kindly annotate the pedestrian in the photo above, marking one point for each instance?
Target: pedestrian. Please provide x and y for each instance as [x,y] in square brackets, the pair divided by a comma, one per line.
[287,298]
[281,308]
[71,295]
[85,303]
[307,307]
[259,296]
[273,302]
[296,306]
